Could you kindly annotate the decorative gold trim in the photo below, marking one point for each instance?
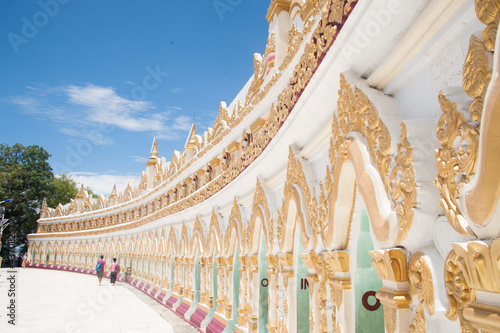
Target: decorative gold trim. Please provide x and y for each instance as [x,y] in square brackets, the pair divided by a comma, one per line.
[236,224]
[214,235]
[295,178]
[276,7]
[471,268]
[421,280]
[390,265]
[356,113]
[198,234]
[458,162]
[260,209]
[451,161]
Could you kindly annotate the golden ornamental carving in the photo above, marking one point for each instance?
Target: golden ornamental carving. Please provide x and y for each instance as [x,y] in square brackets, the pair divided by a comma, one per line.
[214,232]
[454,162]
[476,76]
[184,241]
[418,325]
[402,185]
[295,177]
[171,242]
[325,276]
[236,224]
[260,69]
[276,7]
[487,12]
[390,319]
[260,209]
[421,280]
[356,113]
[198,230]
[471,268]
[390,265]
[221,122]
[421,285]
[329,263]
[457,163]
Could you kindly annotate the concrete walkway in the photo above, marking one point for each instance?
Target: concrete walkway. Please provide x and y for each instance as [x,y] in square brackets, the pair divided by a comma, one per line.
[57,301]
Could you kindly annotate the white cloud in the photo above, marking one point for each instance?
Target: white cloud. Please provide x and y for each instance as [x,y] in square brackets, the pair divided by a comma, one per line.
[172,132]
[105,106]
[79,110]
[139,159]
[102,183]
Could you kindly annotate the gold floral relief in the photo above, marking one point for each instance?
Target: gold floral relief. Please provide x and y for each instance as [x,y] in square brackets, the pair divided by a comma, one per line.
[390,319]
[356,113]
[457,163]
[260,208]
[453,162]
[260,69]
[421,285]
[295,177]
[198,231]
[236,224]
[476,76]
[471,268]
[487,12]
[402,185]
[457,282]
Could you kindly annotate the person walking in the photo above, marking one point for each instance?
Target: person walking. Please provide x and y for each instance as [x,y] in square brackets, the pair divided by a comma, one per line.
[115,269]
[100,268]
[25,260]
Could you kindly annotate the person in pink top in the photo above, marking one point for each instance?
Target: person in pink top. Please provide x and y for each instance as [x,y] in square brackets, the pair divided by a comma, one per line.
[115,269]
[100,268]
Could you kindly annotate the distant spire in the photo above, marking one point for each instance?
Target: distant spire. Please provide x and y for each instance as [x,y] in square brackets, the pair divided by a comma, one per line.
[113,193]
[154,154]
[190,141]
[81,194]
[154,151]
[44,212]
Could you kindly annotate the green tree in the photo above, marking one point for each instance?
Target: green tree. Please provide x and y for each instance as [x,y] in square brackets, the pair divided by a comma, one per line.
[65,189]
[26,177]
[91,193]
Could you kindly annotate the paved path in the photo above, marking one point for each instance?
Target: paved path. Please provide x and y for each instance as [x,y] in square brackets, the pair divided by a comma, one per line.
[56,301]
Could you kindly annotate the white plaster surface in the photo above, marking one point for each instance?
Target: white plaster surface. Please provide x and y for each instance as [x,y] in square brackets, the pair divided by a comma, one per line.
[55,301]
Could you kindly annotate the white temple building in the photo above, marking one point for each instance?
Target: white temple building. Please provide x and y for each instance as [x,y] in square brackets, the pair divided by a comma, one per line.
[351,185]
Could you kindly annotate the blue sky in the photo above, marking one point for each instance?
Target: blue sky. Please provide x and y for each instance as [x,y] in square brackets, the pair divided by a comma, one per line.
[94,81]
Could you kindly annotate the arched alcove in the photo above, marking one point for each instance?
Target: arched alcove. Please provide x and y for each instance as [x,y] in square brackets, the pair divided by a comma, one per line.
[301,289]
[263,287]
[369,314]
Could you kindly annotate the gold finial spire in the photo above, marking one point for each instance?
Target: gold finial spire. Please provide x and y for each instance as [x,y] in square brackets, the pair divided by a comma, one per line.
[113,193]
[154,151]
[44,212]
[191,140]
[44,204]
[154,154]
[81,194]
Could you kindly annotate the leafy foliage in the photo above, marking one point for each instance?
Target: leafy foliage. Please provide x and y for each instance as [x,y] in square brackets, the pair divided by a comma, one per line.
[91,193]
[65,189]
[26,177]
